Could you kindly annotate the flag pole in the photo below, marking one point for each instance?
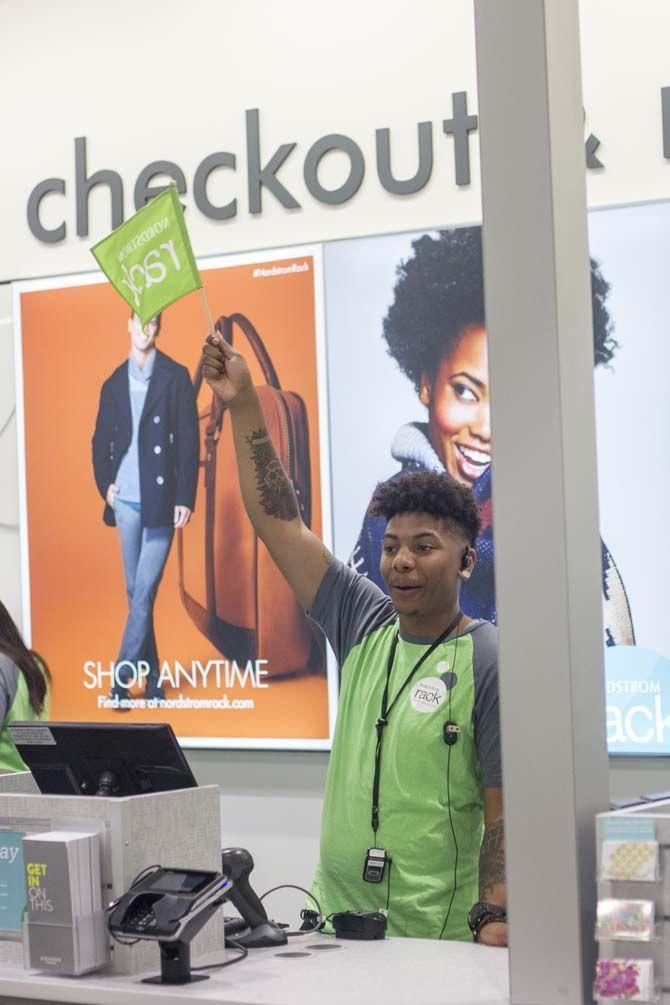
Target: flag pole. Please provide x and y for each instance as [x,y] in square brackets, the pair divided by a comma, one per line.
[201,291]
[205,304]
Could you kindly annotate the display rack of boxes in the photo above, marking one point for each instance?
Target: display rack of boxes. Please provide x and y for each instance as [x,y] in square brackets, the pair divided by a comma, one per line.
[633,916]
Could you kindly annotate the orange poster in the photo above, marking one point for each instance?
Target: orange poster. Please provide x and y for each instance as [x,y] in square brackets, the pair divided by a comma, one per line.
[145,587]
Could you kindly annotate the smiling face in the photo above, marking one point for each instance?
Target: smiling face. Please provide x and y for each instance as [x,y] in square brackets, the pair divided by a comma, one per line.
[421,566]
[143,338]
[459,416]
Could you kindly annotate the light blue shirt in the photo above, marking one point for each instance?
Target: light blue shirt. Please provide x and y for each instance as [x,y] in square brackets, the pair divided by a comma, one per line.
[128,475]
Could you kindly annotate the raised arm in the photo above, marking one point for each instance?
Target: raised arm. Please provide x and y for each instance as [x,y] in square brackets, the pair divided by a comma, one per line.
[267,492]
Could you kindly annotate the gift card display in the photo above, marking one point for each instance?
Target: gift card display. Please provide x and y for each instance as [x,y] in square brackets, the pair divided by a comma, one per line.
[625,980]
[629,860]
[625,919]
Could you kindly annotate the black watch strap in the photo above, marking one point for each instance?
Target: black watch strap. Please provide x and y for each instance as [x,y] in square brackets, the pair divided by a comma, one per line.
[481,913]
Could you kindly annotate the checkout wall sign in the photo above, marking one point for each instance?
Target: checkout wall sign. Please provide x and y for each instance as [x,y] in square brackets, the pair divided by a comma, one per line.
[255,172]
[259,173]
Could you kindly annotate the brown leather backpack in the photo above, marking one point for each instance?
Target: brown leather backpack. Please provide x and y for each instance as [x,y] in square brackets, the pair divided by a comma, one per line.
[231,587]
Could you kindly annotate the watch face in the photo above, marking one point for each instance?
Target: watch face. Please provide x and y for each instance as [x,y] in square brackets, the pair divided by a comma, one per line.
[473,917]
[484,912]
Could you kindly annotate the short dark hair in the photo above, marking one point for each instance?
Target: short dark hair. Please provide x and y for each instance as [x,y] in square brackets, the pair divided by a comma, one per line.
[430,492]
[439,292]
[158,319]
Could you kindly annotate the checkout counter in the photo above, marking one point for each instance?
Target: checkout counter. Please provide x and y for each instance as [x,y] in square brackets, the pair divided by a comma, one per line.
[392,972]
[146,827]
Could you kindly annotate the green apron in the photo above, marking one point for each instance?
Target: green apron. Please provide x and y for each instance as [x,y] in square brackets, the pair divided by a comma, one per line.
[425,788]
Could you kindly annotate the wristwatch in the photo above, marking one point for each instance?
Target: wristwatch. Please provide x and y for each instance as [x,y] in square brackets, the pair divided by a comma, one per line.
[480,914]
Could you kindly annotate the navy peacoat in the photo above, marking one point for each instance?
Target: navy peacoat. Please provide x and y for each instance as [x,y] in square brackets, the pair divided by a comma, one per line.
[168,440]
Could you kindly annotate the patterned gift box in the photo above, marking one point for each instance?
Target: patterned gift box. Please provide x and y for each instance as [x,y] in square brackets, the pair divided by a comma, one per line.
[629,860]
[624,980]
[625,919]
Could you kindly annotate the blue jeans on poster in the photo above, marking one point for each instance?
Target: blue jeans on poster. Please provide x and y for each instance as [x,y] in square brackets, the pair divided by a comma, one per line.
[144,551]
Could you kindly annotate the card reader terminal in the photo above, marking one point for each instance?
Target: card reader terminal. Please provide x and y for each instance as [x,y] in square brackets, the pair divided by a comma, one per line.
[169,906]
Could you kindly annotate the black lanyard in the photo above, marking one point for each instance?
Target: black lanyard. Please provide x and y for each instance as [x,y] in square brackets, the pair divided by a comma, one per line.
[386,709]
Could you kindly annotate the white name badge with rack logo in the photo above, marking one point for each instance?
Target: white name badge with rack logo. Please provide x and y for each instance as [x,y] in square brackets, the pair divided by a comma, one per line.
[428,694]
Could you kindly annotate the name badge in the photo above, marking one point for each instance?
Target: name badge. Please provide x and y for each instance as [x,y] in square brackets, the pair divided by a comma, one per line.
[428,694]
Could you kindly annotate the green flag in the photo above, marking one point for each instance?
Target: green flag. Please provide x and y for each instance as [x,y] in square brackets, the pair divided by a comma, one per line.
[149,259]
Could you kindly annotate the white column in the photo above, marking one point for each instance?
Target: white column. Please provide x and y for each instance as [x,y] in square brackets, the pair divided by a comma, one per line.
[538,305]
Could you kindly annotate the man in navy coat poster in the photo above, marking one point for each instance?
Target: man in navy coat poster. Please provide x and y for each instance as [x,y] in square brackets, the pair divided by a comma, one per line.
[145,462]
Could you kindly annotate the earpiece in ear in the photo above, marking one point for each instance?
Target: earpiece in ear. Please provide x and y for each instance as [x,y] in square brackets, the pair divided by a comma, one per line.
[465,559]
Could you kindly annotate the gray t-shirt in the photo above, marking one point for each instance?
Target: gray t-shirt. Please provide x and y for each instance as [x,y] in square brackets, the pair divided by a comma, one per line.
[347,607]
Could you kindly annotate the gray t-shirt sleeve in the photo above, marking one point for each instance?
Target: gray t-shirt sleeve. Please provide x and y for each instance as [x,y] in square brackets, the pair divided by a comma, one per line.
[486,712]
[347,607]
[9,681]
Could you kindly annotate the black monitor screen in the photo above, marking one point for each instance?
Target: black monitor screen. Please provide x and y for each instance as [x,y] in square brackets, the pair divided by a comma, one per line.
[178,881]
[88,759]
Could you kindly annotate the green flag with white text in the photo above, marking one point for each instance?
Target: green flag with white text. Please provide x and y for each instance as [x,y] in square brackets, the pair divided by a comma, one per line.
[149,259]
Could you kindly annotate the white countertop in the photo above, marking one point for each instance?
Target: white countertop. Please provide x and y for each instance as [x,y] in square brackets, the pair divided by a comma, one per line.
[393,972]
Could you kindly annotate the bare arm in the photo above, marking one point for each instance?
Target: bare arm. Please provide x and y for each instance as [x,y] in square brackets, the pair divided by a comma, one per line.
[492,881]
[267,491]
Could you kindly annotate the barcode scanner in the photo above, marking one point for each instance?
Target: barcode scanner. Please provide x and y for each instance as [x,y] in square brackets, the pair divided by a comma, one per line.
[259,931]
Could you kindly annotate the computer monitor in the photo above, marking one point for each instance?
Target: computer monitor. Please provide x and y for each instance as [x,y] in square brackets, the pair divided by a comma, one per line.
[102,759]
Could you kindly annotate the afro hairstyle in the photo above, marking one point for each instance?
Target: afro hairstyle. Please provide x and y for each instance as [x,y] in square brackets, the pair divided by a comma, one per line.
[439,292]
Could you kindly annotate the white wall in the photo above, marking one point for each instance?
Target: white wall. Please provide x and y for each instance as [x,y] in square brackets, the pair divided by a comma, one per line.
[143,84]
[270,804]
[173,82]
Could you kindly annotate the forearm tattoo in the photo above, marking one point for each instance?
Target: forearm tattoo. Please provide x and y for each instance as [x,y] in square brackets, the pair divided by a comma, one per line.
[274,487]
[492,859]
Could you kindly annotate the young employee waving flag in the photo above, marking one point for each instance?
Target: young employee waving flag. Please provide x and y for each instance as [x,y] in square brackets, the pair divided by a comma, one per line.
[412,817]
